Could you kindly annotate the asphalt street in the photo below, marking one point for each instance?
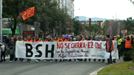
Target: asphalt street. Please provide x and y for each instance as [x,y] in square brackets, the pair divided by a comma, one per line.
[49,68]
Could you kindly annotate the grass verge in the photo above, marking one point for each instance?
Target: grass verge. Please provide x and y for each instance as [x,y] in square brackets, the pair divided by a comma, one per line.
[124,68]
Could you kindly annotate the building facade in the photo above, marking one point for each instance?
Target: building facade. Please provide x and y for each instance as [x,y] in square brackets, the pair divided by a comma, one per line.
[68,5]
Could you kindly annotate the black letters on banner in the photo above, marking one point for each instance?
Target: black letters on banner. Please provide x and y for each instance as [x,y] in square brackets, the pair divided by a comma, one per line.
[50,51]
[37,49]
[29,52]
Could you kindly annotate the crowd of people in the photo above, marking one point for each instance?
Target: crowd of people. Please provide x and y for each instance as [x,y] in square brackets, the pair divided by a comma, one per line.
[125,47]
[124,44]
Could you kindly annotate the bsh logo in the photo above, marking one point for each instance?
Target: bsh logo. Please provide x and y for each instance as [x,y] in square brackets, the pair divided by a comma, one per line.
[46,51]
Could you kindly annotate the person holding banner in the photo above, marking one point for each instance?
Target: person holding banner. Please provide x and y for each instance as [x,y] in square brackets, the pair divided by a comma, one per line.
[0,52]
[12,49]
[36,39]
[29,39]
[115,48]
[19,38]
[109,48]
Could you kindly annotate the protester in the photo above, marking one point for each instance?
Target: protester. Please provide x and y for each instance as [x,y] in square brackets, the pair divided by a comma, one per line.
[68,38]
[109,47]
[12,49]
[19,38]
[128,47]
[0,52]
[120,45]
[29,39]
[115,47]
[37,39]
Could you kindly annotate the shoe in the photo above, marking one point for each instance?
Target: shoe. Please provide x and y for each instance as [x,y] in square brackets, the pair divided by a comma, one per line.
[36,61]
[10,61]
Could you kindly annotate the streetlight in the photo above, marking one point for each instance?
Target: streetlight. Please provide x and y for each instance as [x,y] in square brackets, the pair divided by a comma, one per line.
[0,20]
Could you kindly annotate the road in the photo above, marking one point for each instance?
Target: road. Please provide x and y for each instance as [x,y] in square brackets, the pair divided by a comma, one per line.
[49,68]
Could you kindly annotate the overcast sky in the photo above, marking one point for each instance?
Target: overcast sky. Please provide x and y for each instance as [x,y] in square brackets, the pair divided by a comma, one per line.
[111,9]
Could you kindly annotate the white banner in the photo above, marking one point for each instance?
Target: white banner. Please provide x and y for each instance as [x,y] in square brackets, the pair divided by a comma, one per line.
[40,50]
[64,50]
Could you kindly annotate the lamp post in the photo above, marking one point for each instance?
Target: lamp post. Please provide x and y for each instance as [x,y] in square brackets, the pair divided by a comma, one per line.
[0,20]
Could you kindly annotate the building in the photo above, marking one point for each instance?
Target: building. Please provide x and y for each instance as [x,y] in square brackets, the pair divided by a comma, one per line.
[92,21]
[68,5]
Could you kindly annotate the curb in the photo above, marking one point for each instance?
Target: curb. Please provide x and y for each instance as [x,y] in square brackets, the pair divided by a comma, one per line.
[96,71]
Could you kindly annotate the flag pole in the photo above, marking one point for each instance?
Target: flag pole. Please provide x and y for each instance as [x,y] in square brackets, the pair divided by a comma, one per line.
[0,20]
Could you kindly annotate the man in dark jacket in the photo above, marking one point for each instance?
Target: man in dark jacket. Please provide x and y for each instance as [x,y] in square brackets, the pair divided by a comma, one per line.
[12,49]
[109,48]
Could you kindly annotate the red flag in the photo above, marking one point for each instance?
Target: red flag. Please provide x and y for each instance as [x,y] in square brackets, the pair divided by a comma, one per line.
[28,13]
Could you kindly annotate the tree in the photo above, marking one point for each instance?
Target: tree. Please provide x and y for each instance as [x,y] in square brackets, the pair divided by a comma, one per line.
[48,14]
[129,24]
[76,26]
[51,17]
